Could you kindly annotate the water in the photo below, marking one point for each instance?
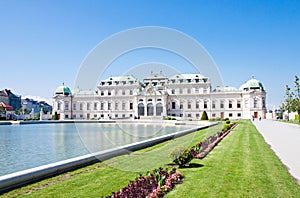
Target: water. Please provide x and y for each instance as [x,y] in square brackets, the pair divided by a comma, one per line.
[28,146]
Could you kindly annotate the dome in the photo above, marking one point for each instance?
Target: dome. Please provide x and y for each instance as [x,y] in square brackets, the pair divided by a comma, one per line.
[63,90]
[252,84]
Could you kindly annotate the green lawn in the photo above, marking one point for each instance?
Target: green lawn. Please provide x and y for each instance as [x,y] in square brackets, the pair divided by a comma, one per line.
[242,165]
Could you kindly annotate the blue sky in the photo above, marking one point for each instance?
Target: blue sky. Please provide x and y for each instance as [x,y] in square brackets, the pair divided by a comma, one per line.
[43,43]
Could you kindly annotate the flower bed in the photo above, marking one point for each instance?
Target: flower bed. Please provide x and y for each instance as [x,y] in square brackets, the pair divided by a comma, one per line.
[156,184]
[182,157]
[203,148]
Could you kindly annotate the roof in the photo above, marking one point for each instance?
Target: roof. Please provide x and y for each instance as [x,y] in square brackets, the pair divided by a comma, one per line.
[226,89]
[6,106]
[121,78]
[63,90]
[156,77]
[252,84]
[188,76]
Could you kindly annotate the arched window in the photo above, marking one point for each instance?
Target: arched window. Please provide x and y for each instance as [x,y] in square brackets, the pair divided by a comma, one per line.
[141,109]
[150,109]
[159,109]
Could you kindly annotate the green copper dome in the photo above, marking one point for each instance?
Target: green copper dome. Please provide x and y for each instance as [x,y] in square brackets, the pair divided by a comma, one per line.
[252,84]
[63,90]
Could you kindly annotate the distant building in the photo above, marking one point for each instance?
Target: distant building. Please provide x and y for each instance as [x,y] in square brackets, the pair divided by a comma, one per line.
[36,105]
[13,100]
[183,95]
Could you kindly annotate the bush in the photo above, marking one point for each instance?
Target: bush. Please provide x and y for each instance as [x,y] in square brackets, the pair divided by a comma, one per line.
[227,121]
[55,116]
[218,119]
[226,127]
[297,117]
[204,116]
[181,156]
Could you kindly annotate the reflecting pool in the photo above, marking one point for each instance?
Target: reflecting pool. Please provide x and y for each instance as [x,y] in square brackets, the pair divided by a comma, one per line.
[27,146]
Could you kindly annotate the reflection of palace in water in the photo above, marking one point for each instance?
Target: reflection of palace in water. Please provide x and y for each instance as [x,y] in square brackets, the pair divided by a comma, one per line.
[182,95]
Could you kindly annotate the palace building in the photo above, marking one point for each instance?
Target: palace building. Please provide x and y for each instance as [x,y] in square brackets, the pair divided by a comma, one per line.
[184,95]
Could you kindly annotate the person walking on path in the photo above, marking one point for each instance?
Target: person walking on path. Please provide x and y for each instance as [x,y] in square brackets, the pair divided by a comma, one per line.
[284,141]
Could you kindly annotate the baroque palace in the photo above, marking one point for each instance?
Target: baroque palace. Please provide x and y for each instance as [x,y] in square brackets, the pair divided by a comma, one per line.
[183,95]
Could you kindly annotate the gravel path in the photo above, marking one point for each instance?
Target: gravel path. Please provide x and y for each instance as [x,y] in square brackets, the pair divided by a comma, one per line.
[284,140]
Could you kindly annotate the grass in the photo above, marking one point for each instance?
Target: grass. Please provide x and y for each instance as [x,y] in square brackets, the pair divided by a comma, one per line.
[103,178]
[291,121]
[242,165]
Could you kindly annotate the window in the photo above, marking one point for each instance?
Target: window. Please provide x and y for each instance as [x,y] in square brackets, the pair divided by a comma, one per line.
[109,92]
[213,105]
[204,90]
[95,106]
[116,92]
[131,106]
[95,115]
[189,104]
[130,92]
[263,102]
[116,115]
[88,106]
[180,91]
[173,105]
[80,106]
[123,106]
[239,115]
[222,105]
[213,115]
[102,106]
[67,116]
[205,104]
[173,91]
[181,105]
[116,106]
[189,91]
[102,93]
[81,116]
[230,114]
[58,106]
[66,106]
[74,106]
[197,115]
[109,106]
[189,115]
[238,104]
[230,104]
[197,104]
[255,103]
[123,92]
[196,90]
[74,116]
[123,115]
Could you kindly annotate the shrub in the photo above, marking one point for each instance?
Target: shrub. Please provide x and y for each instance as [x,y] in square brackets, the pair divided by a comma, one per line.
[226,127]
[181,156]
[218,119]
[55,116]
[204,116]
[227,121]
[297,117]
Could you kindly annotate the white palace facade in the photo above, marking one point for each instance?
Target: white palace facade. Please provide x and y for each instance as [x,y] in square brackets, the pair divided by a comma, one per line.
[185,96]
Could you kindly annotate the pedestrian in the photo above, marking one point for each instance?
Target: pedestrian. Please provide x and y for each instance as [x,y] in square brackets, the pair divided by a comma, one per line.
[259,118]
[252,118]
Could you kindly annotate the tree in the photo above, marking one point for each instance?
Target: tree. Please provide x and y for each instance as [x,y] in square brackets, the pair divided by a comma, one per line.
[288,101]
[55,116]
[297,95]
[292,99]
[204,116]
